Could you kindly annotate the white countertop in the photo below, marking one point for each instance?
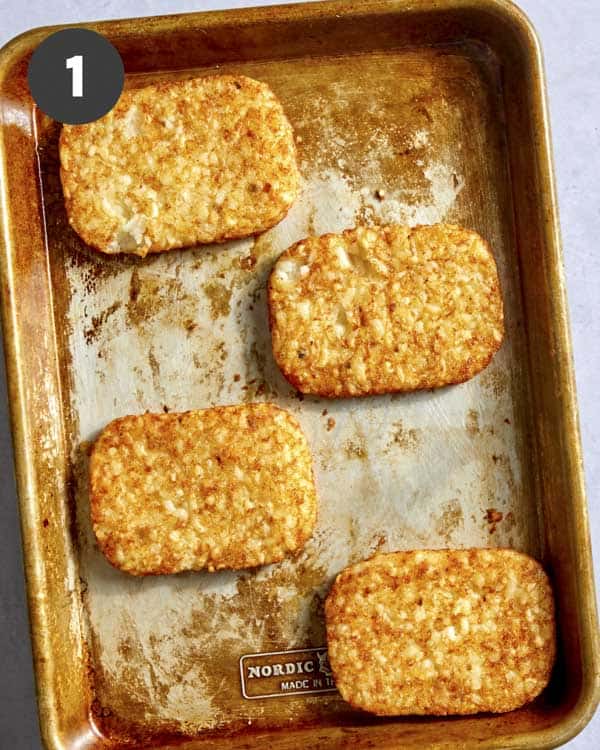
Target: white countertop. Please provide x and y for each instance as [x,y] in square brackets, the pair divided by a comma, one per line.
[569,30]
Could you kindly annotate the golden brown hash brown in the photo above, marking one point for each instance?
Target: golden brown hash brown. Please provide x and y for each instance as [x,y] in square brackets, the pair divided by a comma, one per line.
[175,164]
[441,632]
[228,487]
[385,309]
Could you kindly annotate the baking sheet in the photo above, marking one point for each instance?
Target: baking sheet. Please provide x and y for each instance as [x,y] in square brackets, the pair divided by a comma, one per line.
[188,330]
[501,76]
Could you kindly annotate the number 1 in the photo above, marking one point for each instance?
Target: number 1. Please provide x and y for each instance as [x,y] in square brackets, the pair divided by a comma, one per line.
[75,64]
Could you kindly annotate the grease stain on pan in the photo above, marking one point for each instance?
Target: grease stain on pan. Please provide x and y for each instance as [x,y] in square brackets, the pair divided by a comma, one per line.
[405,438]
[472,423]
[450,520]
[355,449]
[220,298]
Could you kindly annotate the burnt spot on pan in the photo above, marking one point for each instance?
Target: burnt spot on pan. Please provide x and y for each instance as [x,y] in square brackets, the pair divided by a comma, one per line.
[493,517]
[98,321]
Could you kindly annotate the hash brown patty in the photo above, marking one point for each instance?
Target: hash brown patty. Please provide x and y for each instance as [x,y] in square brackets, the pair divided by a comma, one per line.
[385,309]
[180,163]
[227,487]
[441,632]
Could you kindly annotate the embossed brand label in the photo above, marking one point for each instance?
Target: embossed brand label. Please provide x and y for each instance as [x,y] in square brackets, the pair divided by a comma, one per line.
[275,674]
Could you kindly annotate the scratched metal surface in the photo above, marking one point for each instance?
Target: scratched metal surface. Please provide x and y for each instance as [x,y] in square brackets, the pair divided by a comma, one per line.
[188,330]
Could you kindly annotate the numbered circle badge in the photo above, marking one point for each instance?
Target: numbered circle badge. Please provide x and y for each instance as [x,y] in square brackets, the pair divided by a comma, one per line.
[76,76]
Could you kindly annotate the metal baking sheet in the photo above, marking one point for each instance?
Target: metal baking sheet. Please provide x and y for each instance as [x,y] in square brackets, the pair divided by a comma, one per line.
[414,133]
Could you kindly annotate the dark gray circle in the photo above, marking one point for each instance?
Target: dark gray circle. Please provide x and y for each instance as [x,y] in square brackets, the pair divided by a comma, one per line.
[86,90]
